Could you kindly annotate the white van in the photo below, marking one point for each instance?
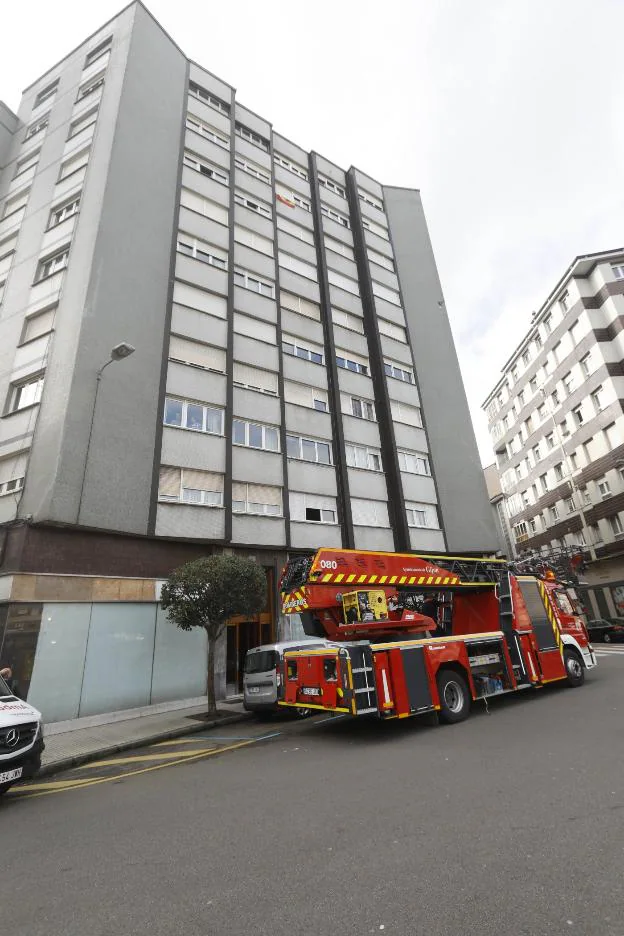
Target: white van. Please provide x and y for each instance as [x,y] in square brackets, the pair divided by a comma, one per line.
[263,675]
[21,739]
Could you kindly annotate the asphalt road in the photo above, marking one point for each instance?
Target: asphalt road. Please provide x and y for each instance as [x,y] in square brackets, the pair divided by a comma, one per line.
[510,823]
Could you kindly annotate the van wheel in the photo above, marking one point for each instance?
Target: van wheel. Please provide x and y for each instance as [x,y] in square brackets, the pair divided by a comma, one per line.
[575,671]
[606,637]
[454,697]
[4,787]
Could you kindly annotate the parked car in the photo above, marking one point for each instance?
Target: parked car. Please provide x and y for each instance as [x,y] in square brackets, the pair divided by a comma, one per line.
[600,630]
[21,739]
[618,628]
[263,676]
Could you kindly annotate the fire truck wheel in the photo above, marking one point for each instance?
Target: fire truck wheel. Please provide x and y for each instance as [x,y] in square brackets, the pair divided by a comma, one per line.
[575,671]
[454,696]
[302,712]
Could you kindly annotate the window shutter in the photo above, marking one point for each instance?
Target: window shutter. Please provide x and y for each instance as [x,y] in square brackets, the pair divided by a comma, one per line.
[255,377]
[169,484]
[239,491]
[298,394]
[38,325]
[254,328]
[265,494]
[202,480]
[15,203]
[198,299]
[75,163]
[191,352]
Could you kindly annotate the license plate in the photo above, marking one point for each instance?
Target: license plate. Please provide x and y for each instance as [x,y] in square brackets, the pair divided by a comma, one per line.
[308,690]
[9,775]
[254,689]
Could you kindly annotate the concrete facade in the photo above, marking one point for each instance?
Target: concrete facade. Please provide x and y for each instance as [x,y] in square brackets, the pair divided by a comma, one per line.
[294,381]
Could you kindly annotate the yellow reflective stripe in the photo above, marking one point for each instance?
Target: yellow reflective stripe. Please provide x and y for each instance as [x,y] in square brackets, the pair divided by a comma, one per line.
[393,579]
[412,580]
[430,580]
[421,579]
[383,579]
[372,579]
[339,578]
[438,580]
[403,580]
[361,579]
[350,578]
[327,578]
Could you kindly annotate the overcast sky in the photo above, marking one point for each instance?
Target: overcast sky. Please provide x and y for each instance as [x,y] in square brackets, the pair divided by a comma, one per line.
[506,114]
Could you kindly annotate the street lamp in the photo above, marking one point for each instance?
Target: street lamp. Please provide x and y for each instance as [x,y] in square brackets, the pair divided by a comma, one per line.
[577,498]
[118,353]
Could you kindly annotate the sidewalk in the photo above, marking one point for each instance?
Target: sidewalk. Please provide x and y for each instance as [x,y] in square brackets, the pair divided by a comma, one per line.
[76,746]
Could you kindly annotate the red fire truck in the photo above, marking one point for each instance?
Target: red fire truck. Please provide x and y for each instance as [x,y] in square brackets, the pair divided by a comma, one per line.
[417,633]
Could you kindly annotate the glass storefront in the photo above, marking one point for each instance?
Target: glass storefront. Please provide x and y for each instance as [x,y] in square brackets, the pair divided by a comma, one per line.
[19,634]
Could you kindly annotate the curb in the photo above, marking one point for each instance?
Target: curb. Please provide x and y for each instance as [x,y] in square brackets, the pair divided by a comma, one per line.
[77,760]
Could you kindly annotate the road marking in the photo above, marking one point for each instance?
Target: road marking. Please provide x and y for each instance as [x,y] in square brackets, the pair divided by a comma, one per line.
[330,718]
[132,773]
[52,785]
[609,652]
[138,758]
[176,741]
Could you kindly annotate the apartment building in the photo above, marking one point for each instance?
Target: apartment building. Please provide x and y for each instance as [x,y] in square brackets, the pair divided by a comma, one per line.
[557,426]
[209,339]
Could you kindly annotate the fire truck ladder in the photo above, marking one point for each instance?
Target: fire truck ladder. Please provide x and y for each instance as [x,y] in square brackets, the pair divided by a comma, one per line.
[505,617]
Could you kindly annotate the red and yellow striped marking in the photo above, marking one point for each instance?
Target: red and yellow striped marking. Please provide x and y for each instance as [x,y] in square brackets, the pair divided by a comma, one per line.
[340,578]
[551,616]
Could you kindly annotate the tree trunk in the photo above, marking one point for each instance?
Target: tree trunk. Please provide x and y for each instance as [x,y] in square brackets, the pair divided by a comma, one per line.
[212,644]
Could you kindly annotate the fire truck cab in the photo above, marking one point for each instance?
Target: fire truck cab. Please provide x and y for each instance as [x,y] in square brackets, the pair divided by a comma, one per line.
[415,634]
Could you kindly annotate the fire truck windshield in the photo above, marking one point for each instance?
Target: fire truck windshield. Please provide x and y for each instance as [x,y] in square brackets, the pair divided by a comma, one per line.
[563,602]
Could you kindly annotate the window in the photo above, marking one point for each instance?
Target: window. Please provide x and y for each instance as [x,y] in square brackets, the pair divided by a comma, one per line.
[586,364]
[574,334]
[196,354]
[295,230]
[83,122]
[554,514]
[291,198]
[520,398]
[533,525]
[414,463]
[550,440]
[248,281]
[348,363]
[53,264]
[595,534]
[201,94]
[295,265]
[559,471]
[343,282]
[198,126]
[199,299]
[578,415]
[196,416]
[63,212]
[291,166]
[263,499]
[533,384]
[25,393]
[46,93]
[388,295]
[369,512]
[253,204]
[520,532]
[514,372]
[255,435]
[555,398]
[386,262]
[15,204]
[360,456]
[317,515]
[300,305]
[547,323]
[363,409]
[541,412]
[597,399]
[90,87]
[255,138]
[618,270]
[74,164]
[308,352]
[374,228]
[200,250]
[568,382]
[538,341]
[573,461]
[603,487]
[28,162]
[254,378]
[98,51]
[347,320]
[37,325]
[335,216]
[190,486]
[616,525]
[564,301]
[310,450]
[254,328]
[205,168]
[13,486]
[203,206]
[305,395]
[331,186]
[370,200]
[411,415]
[544,483]
[422,515]
[612,437]
[246,165]
[338,247]
[397,332]
[37,127]
[398,372]
[564,429]
[536,453]
[312,508]
[526,500]
[252,240]
[556,353]
[526,357]
[569,505]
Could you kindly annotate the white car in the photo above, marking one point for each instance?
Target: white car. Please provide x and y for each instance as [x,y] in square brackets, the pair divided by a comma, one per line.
[21,739]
